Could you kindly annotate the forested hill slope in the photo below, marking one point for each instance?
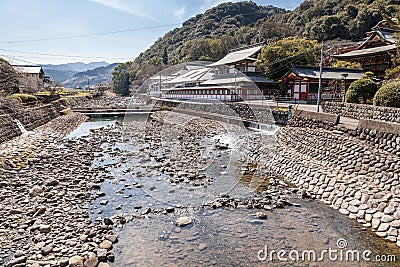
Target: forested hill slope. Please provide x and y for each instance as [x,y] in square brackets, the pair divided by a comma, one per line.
[332,19]
[225,26]
[211,35]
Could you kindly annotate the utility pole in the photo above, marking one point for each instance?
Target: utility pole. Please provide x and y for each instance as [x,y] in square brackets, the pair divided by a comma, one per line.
[345,75]
[320,77]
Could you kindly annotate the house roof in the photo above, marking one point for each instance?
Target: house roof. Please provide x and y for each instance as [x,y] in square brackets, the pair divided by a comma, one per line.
[367,52]
[193,76]
[238,55]
[384,35]
[28,69]
[312,72]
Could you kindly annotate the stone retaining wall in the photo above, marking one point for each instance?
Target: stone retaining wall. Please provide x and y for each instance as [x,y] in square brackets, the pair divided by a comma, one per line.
[383,135]
[257,113]
[8,128]
[354,176]
[358,111]
[302,118]
[30,118]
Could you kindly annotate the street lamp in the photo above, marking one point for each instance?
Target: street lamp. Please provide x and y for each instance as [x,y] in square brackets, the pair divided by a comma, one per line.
[345,75]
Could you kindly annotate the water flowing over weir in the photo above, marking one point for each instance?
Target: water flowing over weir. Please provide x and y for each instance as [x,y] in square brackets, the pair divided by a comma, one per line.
[147,202]
[20,126]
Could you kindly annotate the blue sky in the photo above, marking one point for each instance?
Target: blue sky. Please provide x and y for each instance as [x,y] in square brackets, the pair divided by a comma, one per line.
[26,25]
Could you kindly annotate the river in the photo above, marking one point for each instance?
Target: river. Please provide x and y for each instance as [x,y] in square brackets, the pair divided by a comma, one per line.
[134,189]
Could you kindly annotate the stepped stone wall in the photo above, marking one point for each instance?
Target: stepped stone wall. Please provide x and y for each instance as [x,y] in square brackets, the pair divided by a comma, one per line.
[30,118]
[358,111]
[8,128]
[355,172]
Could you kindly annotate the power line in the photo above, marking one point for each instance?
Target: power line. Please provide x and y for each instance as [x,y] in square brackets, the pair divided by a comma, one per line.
[59,56]
[89,35]
[8,56]
[110,32]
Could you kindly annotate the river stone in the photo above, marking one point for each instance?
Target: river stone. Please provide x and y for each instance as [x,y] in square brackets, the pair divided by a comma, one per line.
[395,224]
[63,262]
[375,223]
[386,218]
[92,261]
[46,250]
[103,264]
[44,228]
[106,244]
[17,261]
[76,261]
[102,254]
[202,246]
[344,211]
[36,190]
[112,238]
[383,227]
[183,221]
[352,209]
[261,215]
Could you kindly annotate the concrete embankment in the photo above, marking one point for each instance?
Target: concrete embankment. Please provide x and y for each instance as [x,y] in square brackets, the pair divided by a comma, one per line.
[243,111]
[356,171]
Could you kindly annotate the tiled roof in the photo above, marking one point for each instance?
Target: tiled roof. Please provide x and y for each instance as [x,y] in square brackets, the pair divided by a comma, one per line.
[237,56]
[28,69]
[368,51]
[312,72]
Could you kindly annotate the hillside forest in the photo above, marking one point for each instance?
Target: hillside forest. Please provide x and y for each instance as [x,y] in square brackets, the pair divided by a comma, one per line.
[210,36]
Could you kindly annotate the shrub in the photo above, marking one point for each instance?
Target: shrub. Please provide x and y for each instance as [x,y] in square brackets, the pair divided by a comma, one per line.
[364,88]
[392,73]
[352,97]
[24,98]
[14,97]
[388,95]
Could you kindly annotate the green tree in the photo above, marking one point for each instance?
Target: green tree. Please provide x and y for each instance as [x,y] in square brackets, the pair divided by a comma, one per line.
[388,95]
[364,89]
[277,58]
[9,83]
[165,56]
[121,79]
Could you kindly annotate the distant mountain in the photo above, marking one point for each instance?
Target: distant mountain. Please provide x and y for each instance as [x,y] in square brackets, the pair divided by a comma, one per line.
[59,75]
[98,75]
[62,72]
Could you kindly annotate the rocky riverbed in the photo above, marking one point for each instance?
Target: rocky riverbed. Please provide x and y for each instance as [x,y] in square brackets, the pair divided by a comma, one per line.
[45,184]
[153,184]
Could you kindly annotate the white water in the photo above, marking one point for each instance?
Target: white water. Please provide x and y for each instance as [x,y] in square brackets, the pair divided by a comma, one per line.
[265,128]
[20,126]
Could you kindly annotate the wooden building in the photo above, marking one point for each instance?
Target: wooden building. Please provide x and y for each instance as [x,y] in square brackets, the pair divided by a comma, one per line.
[31,78]
[376,51]
[233,78]
[301,82]
[241,62]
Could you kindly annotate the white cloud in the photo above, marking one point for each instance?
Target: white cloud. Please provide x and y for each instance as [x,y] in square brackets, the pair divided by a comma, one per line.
[124,6]
[180,13]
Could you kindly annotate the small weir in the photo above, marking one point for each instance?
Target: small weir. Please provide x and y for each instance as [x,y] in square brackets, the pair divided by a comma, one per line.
[20,126]
[265,128]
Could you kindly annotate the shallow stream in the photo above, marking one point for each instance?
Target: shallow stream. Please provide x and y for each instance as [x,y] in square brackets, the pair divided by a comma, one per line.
[217,237]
